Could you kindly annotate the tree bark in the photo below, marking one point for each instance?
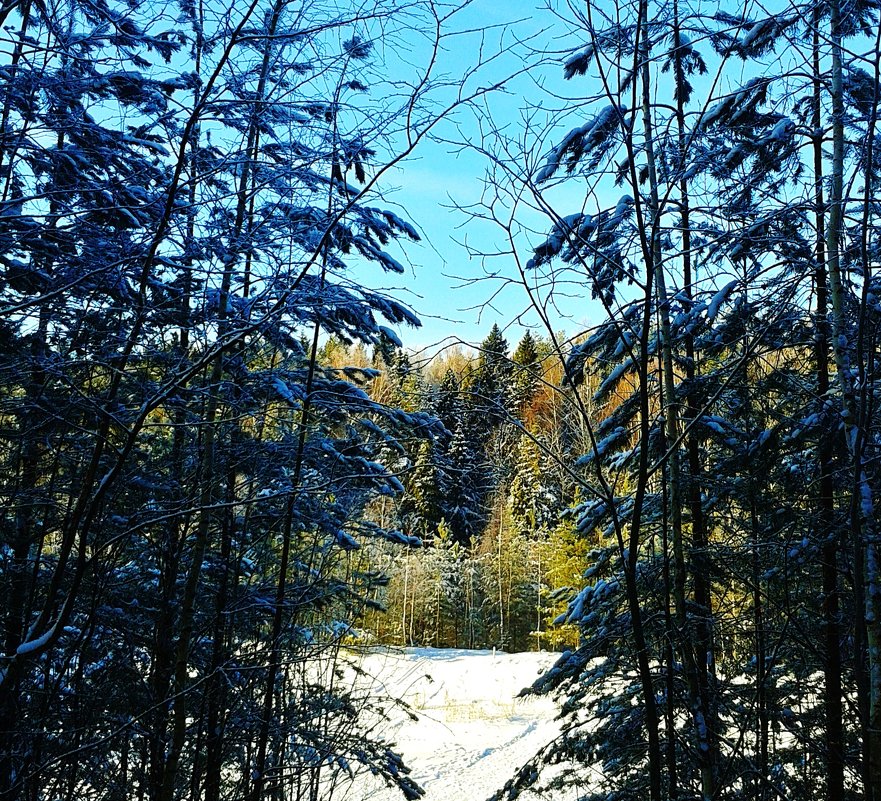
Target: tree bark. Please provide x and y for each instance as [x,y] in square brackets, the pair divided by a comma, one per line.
[832,693]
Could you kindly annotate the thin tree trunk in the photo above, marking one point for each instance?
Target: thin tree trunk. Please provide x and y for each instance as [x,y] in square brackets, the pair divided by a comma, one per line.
[763,722]
[834,735]
[702,600]
[260,760]
[705,749]
[863,500]
[669,654]
[404,605]
[867,582]
[216,689]
[499,578]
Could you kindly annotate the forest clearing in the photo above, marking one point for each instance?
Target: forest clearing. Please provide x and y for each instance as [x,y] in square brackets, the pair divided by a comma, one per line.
[471,727]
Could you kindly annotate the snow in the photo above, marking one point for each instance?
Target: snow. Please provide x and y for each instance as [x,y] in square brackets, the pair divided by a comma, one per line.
[719,298]
[622,210]
[31,645]
[602,446]
[590,135]
[472,732]
[756,30]
[391,336]
[781,132]
[612,378]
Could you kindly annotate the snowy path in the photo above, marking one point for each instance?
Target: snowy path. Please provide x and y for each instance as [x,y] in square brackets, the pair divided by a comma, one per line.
[472,732]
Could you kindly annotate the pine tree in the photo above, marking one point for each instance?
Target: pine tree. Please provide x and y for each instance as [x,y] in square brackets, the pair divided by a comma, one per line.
[715,425]
[450,406]
[535,501]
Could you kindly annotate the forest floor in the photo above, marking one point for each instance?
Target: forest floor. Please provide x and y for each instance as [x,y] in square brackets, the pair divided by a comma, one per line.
[472,732]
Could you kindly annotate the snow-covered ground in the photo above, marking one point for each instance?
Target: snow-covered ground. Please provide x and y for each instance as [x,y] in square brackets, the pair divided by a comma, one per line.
[472,732]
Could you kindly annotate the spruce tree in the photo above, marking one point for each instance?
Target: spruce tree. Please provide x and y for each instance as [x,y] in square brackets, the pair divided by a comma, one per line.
[182,196]
[526,369]
[491,385]
[698,267]
[463,501]
[422,503]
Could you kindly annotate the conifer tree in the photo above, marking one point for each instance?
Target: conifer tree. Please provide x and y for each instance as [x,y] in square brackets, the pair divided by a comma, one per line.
[450,406]
[490,386]
[535,501]
[421,504]
[182,193]
[714,240]
[526,372]
[463,503]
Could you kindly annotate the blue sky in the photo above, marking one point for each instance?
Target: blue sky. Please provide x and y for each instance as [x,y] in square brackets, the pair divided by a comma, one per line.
[459,296]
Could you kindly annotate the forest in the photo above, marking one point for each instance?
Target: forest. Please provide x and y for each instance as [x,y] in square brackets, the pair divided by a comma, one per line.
[226,468]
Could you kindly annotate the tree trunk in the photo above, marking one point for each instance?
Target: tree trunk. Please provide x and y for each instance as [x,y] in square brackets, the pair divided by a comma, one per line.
[705,749]
[867,581]
[826,533]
